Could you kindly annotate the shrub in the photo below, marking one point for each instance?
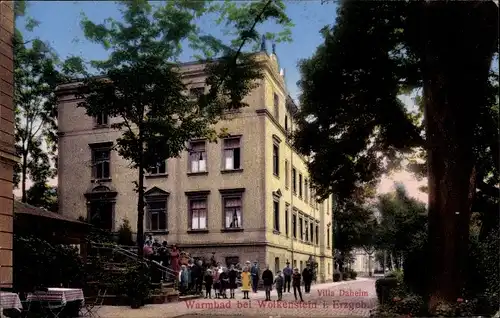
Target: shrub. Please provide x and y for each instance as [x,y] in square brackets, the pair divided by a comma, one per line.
[336,276]
[353,274]
[136,282]
[384,288]
[125,234]
[346,276]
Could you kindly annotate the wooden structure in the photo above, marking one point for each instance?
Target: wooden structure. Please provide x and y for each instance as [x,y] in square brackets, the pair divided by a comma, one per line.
[50,226]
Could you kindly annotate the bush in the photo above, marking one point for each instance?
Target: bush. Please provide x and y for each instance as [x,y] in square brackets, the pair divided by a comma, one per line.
[39,263]
[353,274]
[336,276]
[385,288]
[125,234]
[346,275]
[137,284]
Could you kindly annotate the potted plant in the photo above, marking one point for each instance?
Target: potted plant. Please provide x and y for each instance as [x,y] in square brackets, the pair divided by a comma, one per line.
[137,285]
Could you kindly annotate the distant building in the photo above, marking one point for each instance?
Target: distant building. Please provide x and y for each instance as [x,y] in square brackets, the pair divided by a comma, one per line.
[247,197]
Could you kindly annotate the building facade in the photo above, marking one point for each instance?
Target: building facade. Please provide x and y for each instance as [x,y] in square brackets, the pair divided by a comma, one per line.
[8,156]
[246,197]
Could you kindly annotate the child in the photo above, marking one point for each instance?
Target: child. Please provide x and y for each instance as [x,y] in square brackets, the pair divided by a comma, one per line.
[183,279]
[232,281]
[278,282]
[224,281]
[208,283]
[216,286]
[246,283]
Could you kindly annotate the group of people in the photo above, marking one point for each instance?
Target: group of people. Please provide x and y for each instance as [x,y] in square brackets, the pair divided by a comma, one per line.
[221,279]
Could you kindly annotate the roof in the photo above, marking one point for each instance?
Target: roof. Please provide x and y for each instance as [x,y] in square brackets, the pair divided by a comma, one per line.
[24,208]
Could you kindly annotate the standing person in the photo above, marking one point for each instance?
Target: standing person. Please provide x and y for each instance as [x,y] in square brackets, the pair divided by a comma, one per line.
[255,276]
[245,282]
[278,282]
[216,275]
[209,280]
[307,277]
[184,279]
[232,281]
[224,282]
[199,279]
[174,259]
[296,278]
[287,273]
[268,279]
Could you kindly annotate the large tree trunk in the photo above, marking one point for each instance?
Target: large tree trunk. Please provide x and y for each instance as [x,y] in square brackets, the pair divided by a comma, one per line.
[459,41]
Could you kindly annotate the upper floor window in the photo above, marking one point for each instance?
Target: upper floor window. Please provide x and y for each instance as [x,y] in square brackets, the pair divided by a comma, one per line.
[159,169]
[300,185]
[156,215]
[198,213]
[317,235]
[276,107]
[328,238]
[306,190]
[286,123]
[276,213]
[276,159]
[311,231]
[232,153]
[287,174]
[102,119]
[198,157]
[287,220]
[294,181]
[294,225]
[101,163]
[301,228]
[307,230]
[232,212]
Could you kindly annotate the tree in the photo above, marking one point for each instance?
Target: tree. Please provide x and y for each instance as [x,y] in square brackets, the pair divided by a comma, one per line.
[354,125]
[140,83]
[36,76]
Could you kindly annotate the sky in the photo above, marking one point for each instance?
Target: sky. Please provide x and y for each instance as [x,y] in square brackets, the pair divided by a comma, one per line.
[60,26]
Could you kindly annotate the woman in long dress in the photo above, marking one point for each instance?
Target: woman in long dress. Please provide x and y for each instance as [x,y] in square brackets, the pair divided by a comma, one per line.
[246,283]
[174,259]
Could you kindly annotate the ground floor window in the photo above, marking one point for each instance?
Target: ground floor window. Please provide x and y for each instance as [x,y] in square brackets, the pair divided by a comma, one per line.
[101,215]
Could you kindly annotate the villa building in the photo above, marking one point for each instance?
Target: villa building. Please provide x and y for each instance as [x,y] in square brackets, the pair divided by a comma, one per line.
[246,197]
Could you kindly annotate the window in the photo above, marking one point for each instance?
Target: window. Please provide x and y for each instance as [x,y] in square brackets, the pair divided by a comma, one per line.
[294,181]
[287,215]
[287,175]
[198,157]
[307,230]
[294,263]
[276,107]
[301,265]
[158,169]
[286,123]
[101,215]
[276,213]
[311,231]
[196,92]
[231,154]
[156,215]
[276,264]
[198,214]
[232,212]
[294,226]
[276,159]
[101,119]
[300,185]
[317,235]
[328,238]
[301,228]
[100,163]
[306,190]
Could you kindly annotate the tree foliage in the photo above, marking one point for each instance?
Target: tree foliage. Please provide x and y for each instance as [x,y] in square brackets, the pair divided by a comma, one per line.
[141,86]
[35,79]
[355,128]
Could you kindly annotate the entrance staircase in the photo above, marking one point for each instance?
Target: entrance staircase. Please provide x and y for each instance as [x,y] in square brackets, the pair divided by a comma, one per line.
[114,259]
